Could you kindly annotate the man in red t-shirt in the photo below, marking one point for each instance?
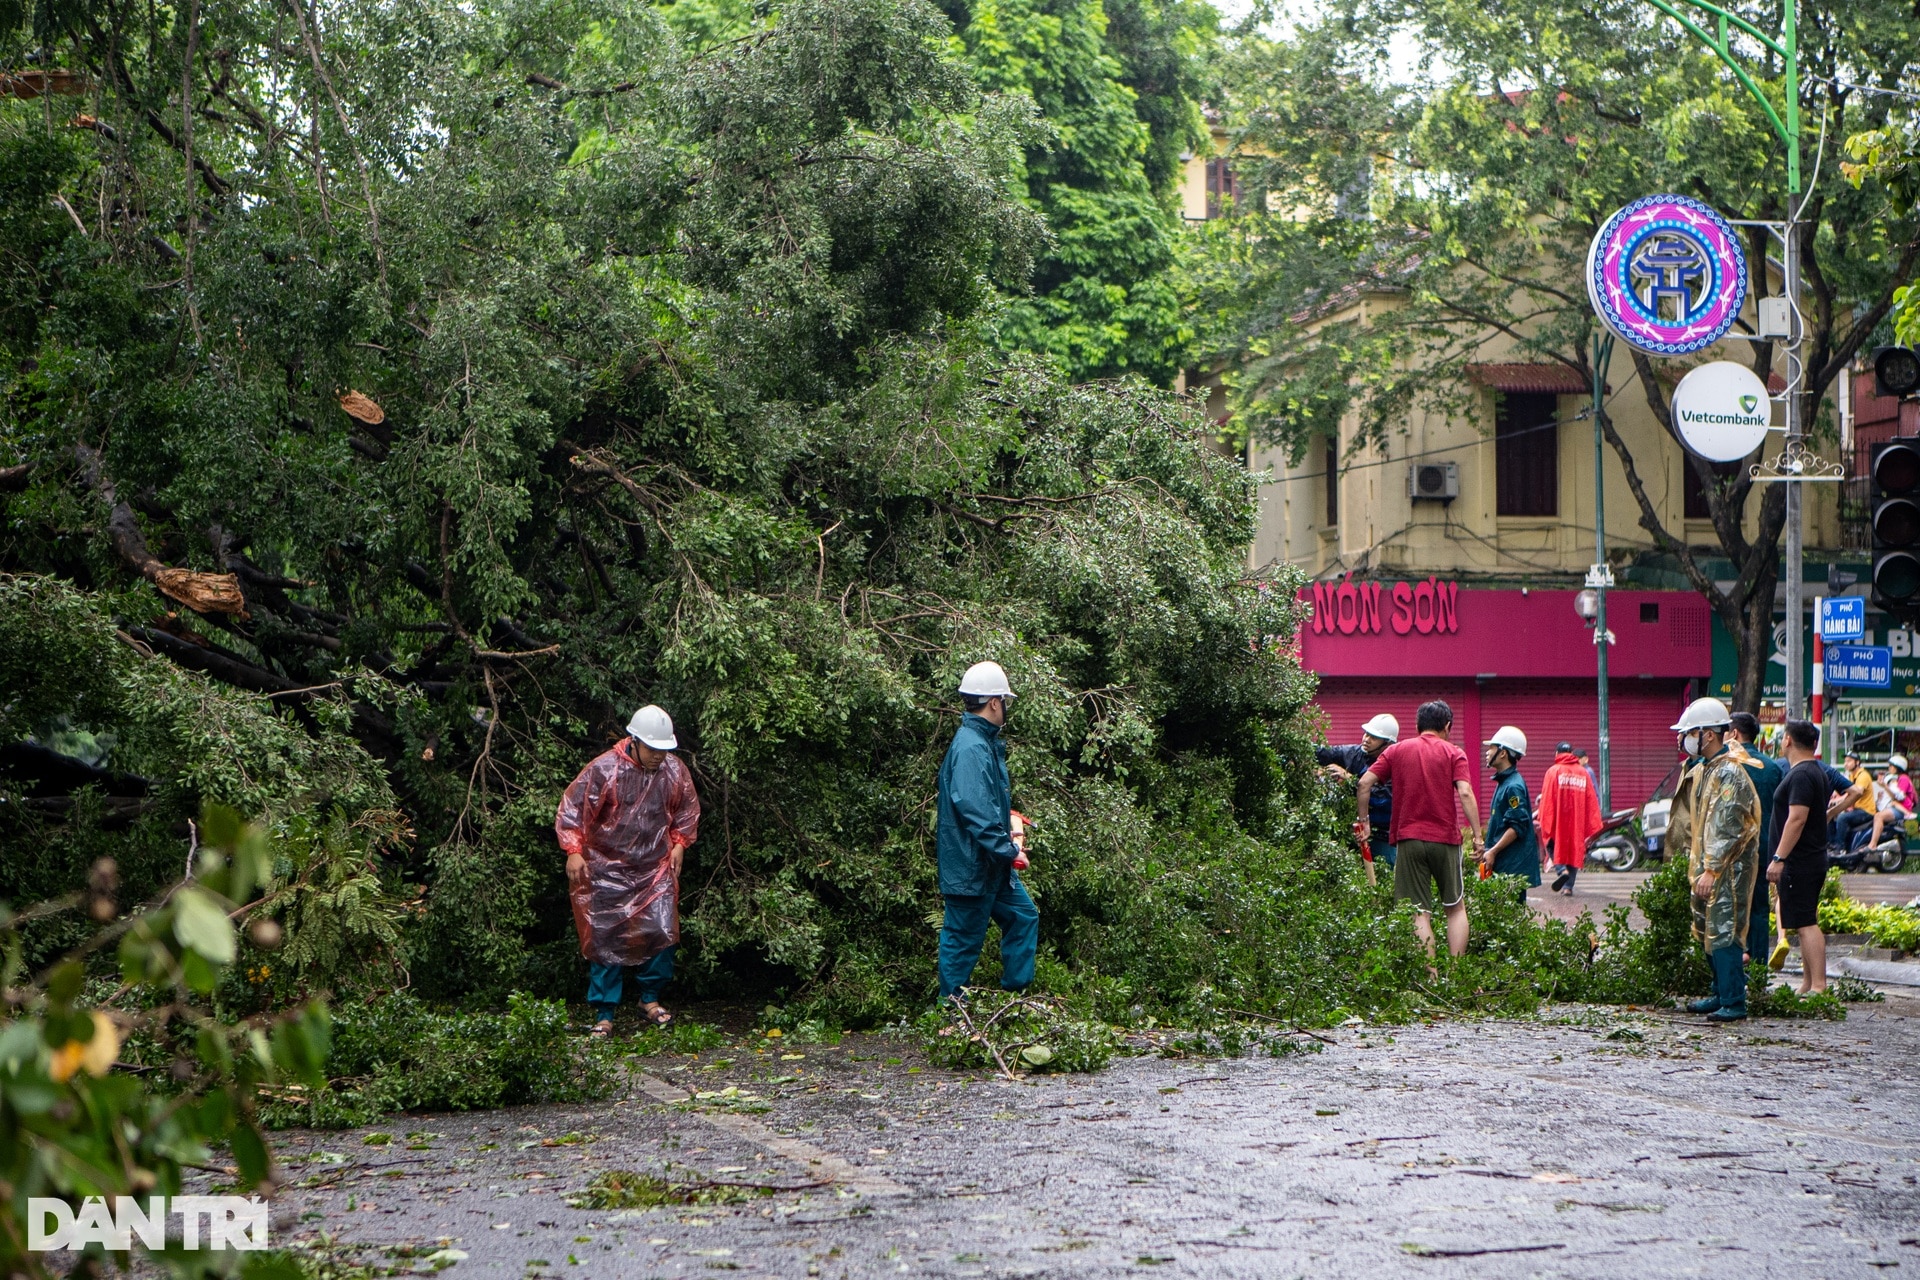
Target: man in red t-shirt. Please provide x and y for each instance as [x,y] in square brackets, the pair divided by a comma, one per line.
[1432,789]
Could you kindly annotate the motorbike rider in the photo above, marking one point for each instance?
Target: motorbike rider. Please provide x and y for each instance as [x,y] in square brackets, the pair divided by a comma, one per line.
[1849,827]
[1893,798]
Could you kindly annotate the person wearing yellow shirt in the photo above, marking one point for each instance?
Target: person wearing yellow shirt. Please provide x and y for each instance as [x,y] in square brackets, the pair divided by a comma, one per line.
[1851,822]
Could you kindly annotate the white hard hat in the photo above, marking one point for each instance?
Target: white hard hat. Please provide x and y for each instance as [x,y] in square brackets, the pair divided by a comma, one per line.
[654,727]
[1509,737]
[1899,762]
[985,680]
[1703,713]
[1382,726]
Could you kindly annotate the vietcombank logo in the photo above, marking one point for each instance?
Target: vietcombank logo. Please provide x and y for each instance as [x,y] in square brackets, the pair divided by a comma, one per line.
[230,1222]
[1691,417]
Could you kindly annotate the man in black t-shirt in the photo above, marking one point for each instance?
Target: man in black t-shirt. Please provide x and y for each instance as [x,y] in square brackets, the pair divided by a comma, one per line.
[1798,844]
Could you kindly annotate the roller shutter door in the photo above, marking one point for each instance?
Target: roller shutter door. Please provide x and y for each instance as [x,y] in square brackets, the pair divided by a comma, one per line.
[1349,703]
[1552,711]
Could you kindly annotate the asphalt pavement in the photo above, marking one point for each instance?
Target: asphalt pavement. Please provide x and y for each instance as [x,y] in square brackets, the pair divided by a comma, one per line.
[1589,1142]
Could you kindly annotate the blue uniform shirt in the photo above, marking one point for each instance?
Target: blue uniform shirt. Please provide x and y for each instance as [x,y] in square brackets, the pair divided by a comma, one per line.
[1766,774]
[1513,811]
[1356,761]
[973,831]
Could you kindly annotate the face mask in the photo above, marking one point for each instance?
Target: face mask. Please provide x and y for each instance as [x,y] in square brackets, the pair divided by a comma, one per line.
[1691,744]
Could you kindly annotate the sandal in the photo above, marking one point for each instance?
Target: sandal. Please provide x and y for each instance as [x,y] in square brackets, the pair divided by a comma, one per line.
[656,1014]
[602,1029]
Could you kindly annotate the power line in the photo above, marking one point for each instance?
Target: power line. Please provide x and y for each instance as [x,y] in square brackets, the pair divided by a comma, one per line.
[1552,425]
[1865,88]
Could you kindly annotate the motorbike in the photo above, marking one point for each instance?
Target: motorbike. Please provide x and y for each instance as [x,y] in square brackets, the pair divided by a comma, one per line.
[1619,845]
[1624,845]
[1889,855]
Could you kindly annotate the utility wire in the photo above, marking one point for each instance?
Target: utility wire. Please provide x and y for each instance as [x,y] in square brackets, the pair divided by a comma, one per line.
[1865,88]
[1554,424]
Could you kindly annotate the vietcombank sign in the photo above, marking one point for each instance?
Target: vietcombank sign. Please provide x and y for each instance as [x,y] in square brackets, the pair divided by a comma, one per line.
[1721,411]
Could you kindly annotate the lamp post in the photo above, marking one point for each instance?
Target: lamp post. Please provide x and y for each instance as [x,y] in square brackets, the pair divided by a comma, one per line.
[1786,127]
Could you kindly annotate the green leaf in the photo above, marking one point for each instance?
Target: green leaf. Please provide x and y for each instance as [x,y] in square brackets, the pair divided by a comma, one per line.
[220,826]
[200,924]
[250,1154]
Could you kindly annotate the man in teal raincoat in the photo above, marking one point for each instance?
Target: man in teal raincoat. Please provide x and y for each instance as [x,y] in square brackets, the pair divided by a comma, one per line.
[1512,849]
[975,838]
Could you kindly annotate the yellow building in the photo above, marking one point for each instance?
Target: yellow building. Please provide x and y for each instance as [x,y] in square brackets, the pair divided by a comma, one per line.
[1496,491]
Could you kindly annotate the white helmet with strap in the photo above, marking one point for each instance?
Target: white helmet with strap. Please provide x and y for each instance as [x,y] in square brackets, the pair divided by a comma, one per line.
[1704,713]
[1382,726]
[1510,738]
[985,680]
[654,727]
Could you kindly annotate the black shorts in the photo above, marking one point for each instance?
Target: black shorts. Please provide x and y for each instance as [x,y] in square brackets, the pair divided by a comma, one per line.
[1801,880]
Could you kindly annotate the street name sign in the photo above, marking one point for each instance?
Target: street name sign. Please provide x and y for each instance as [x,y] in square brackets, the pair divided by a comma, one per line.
[1841,617]
[1870,665]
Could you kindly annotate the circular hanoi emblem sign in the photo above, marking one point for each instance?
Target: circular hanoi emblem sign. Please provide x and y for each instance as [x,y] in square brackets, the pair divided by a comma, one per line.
[1668,275]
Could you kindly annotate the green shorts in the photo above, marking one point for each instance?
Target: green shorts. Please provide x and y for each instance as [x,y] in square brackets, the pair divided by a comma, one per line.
[1423,864]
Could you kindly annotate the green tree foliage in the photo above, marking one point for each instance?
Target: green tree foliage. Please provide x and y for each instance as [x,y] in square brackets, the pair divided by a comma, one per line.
[1116,83]
[1889,158]
[70,1126]
[454,379]
[1463,208]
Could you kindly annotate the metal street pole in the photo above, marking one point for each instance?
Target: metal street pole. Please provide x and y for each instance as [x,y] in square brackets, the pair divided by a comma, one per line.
[1790,273]
[1602,355]
[1786,127]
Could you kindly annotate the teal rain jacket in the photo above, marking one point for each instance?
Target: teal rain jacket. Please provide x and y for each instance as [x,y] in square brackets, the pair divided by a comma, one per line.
[1513,810]
[976,802]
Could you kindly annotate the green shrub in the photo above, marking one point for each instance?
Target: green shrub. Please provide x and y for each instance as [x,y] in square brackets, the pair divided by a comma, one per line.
[72,1125]
[397,1053]
[1888,926]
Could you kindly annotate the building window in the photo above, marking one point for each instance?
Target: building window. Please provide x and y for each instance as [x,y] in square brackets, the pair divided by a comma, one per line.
[1693,493]
[1223,187]
[1333,482]
[1526,453]
[1649,611]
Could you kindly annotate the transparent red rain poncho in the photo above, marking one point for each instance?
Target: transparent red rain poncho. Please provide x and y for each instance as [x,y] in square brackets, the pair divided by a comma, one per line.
[623,820]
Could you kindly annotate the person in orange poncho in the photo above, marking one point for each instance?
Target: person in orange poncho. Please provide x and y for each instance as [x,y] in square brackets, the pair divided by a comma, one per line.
[1569,814]
[625,824]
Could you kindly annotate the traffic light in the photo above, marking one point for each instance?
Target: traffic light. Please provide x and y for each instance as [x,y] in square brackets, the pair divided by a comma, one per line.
[1896,529]
[1896,370]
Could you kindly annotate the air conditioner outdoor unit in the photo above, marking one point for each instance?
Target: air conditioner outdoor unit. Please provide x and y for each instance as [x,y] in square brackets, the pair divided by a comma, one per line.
[1433,481]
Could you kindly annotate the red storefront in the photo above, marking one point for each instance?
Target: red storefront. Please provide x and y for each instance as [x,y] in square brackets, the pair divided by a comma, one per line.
[1518,657]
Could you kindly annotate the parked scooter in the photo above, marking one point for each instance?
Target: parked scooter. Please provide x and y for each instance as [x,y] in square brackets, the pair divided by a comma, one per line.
[1619,845]
[1623,845]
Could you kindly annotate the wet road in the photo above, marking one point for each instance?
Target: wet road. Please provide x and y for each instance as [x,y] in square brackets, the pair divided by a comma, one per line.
[1588,1143]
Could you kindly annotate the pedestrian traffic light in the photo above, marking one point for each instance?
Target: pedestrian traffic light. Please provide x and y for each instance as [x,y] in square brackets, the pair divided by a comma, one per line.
[1896,529]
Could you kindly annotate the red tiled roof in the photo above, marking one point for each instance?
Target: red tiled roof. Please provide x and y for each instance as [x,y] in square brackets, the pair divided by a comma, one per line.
[1530,377]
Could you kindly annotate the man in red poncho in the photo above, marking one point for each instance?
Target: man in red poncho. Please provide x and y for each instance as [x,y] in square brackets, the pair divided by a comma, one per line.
[625,824]
[1569,814]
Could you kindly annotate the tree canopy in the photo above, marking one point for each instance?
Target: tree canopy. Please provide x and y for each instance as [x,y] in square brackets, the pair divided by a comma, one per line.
[1474,195]
[448,380]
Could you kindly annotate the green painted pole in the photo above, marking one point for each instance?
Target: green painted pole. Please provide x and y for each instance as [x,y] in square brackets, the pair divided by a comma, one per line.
[1602,356]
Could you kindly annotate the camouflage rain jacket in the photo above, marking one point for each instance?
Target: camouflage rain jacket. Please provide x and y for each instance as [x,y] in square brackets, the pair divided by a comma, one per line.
[1716,819]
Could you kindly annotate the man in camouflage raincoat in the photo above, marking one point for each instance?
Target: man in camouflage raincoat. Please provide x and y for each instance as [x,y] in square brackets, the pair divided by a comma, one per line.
[1716,820]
